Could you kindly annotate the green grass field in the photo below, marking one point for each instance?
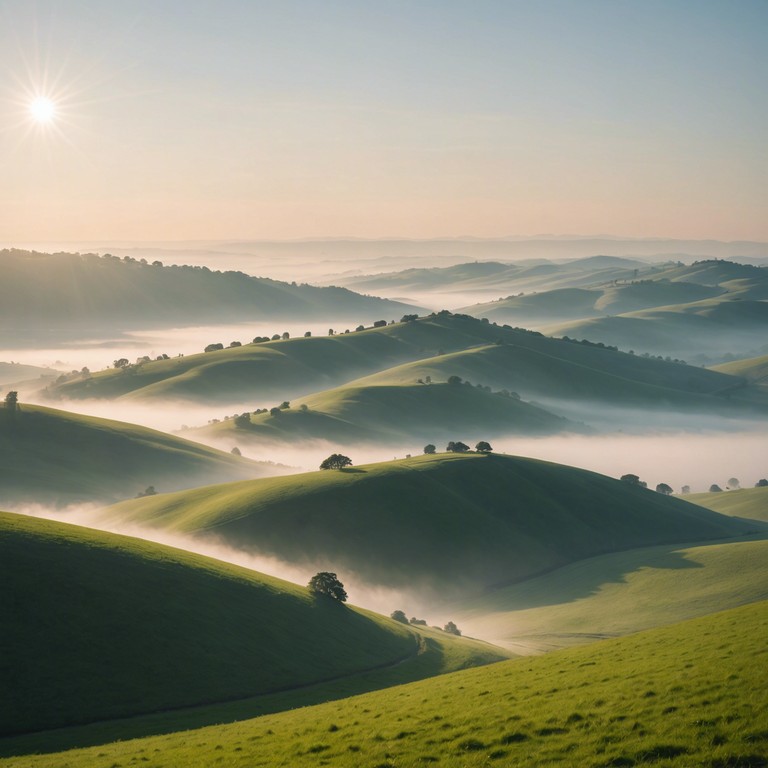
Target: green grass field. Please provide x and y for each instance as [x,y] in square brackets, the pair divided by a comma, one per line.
[444,523]
[618,594]
[99,626]
[693,694]
[50,456]
[750,503]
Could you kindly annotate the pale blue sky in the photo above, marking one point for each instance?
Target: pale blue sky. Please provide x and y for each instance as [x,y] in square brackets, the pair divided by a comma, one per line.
[296,119]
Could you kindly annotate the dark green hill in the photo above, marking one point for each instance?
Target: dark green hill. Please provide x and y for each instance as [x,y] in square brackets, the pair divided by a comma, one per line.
[98,626]
[448,523]
[63,295]
[49,456]
[394,413]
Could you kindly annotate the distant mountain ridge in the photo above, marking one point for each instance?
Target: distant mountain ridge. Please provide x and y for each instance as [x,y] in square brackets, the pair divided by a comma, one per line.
[97,293]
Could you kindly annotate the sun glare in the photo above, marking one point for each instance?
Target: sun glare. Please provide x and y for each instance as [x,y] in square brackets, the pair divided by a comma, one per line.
[42,109]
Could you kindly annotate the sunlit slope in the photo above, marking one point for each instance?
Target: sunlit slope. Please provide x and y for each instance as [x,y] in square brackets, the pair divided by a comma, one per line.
[99,626]
[53,456]
[53,294]
[704,327]
[283,369]
[619,593]
[754,370]
[693,694]
[448,522]
[562,304]
[395,413]
[750,503]
[544,368]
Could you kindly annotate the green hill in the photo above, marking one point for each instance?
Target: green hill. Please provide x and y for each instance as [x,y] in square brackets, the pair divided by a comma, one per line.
[444,524]
[619,593]
[524,361]
[99,626]
[65,294]
[754,370]
[693,694]
[49,456]
[393,414]
[16,372]
[749,503]
[712,327]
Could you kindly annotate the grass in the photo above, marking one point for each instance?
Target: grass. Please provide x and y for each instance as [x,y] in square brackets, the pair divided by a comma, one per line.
[444,523]
[395,413]
[750,503]
[694,693]
[99,626]
[620,593]
[56,457]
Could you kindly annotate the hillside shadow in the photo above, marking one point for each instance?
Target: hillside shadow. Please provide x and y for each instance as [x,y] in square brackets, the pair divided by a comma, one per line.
[585,578]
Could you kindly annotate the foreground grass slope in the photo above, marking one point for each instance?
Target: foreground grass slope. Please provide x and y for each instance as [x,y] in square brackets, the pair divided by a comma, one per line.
[446,523]
[619,593]
[693,694]
[99,626]
[50,456]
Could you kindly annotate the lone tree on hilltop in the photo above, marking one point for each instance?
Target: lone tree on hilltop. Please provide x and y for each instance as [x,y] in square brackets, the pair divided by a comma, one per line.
[733,484]
[664,488]
[336,461]
[452,629]
[326,583]
[429,448]
[399,616]
[633,480]
[762,483]
[483,447]
[11,401]
[458,447]
[715,488]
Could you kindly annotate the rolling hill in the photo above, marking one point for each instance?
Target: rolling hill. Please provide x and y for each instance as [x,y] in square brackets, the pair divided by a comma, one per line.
[749,503]
[618,594]
[48,456]
[393,414]
[16,372]
[99,626]
[445,524]
[695,693]
[62,295]
[526,362]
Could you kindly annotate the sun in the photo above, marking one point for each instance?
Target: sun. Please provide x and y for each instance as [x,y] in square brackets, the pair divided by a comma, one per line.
[42,109]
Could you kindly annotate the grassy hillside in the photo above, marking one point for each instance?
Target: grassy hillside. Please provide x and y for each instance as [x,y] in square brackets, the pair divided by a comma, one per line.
[619,593]
[750,503]
[14,372]
[447,523]
[708,327]
[72,293]
[561,304]
[754,370]
[394,413]
[99,626]
[526,362]
[56,457]
[693,694]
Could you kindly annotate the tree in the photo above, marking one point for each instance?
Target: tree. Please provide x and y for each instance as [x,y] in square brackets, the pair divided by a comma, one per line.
[409,318]
[242,421]
[123,362]
[307,334]
[715,488]
[733,484]
[454,380]
[762,483]
[685,489]
[429,449]
[236,451]
[326,583]
[483,447]
[399,616]
[12,401]
[213,347]
[379,323]
[336,461]
[634,480]
[418,622]
[452,629]
[664,488]
[458,447]
[148,491]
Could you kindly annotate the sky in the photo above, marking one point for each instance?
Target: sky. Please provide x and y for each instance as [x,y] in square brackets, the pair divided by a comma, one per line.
[248,119]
